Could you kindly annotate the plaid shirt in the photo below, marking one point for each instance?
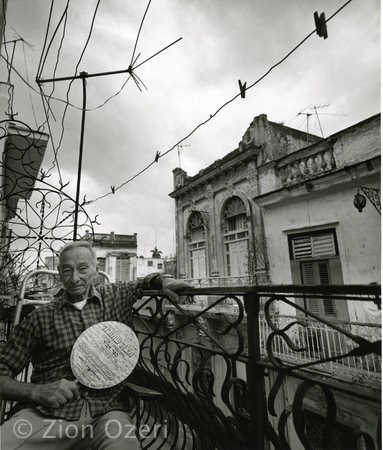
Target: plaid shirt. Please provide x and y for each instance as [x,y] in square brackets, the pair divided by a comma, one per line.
[47,335]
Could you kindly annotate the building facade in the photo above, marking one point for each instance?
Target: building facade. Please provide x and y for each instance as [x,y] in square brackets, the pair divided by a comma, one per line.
[288,208]
[219,231]
[280,209]
[116,254]
[145,266]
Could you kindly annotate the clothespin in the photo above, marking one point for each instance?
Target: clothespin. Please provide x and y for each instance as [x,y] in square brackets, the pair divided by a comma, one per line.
[320,24]
[113,188]
[157,156]
[242,88]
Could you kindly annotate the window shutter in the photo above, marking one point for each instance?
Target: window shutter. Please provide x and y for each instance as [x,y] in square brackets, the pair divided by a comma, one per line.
[313,305]
[328,305]
[323,245]
[308,273]
[302,247]
[315,246]
[324,276]
[316,272]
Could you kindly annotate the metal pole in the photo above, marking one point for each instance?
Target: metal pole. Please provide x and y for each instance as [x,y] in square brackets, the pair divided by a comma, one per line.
[10,64]
[83,77]
[255,375]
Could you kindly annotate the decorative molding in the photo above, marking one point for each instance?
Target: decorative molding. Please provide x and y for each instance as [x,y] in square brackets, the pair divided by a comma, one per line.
[373,196]
[234,207]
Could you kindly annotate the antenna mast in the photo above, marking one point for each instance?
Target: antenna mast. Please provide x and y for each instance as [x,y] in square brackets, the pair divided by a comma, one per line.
[180,146]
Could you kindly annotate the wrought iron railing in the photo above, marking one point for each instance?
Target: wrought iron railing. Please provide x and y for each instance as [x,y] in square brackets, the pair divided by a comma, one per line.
[231,374]
[228,381]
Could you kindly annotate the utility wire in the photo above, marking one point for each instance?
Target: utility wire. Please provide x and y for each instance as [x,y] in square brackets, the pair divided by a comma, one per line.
[108,99]
[139,32]
[29,92]
[161,155]
[45,39]
[77,65]
[55,150]
[55,161]
[64,14]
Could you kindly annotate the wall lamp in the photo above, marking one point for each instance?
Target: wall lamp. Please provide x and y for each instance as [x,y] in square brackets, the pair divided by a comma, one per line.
[373,196]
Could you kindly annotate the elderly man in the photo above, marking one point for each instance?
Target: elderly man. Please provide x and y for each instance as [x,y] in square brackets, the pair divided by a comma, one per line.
[57,413]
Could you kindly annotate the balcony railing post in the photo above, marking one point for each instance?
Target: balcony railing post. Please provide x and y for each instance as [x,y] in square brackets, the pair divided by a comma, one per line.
[255,375]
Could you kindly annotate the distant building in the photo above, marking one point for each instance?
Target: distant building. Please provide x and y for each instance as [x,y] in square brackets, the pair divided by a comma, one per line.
[145,266]
[116,254]
[170,265]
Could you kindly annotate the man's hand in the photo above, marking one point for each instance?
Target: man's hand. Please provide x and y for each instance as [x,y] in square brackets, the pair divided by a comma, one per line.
[55,394]
[172,285]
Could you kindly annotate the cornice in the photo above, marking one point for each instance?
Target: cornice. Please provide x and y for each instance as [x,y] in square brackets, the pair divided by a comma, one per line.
[344,175]
[217,169]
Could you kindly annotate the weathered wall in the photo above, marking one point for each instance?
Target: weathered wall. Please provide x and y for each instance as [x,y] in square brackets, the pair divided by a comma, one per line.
[358,234]
[358,143]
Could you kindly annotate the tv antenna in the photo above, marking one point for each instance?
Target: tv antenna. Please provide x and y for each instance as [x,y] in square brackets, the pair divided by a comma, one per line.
[180,146]
[308,115]
[315,108]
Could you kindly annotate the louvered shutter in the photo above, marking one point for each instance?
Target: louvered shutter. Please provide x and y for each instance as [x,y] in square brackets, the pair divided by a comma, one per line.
[308,275]
[302,247]
[316,246]
[328,304]
[323,245]
[316,272]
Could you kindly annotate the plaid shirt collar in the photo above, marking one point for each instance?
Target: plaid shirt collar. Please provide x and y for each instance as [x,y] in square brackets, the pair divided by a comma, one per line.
[63,297]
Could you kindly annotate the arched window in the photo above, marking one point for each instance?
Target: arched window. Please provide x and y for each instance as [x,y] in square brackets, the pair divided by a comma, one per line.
[197,245]
[235,237]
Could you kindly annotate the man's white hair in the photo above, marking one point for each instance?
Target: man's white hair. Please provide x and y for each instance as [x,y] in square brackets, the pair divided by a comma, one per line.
[77,244]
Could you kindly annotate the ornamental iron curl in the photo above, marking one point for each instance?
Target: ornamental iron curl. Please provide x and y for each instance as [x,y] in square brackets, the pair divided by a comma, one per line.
[36,217]
[214,406]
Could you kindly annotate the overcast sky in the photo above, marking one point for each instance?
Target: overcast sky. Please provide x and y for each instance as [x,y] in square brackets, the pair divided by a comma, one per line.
[223,41]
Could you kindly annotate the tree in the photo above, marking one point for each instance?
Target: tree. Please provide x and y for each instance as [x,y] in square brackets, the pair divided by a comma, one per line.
[156,253]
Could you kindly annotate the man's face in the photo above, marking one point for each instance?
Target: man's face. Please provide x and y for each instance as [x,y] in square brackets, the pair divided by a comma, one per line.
[77,270]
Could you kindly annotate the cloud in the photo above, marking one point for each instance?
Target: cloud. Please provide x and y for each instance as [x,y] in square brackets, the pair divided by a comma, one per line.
[223,41]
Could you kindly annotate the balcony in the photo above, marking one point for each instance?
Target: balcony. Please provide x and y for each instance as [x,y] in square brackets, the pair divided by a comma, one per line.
[234,375]
[229,373]
[260,277]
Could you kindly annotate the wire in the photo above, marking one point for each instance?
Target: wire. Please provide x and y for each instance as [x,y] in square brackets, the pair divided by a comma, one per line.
[29,92]
[46,38]
[64,14]
[71,82]
[55,161]
[139,32]
[161,155]
[43,97]
[108,99]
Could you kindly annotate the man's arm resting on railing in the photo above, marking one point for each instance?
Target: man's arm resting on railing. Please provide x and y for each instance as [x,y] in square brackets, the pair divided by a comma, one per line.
[52,395]
[164,282]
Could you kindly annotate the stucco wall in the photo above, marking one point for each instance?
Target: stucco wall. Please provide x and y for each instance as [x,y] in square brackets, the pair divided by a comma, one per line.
[358,234]
[358,143]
